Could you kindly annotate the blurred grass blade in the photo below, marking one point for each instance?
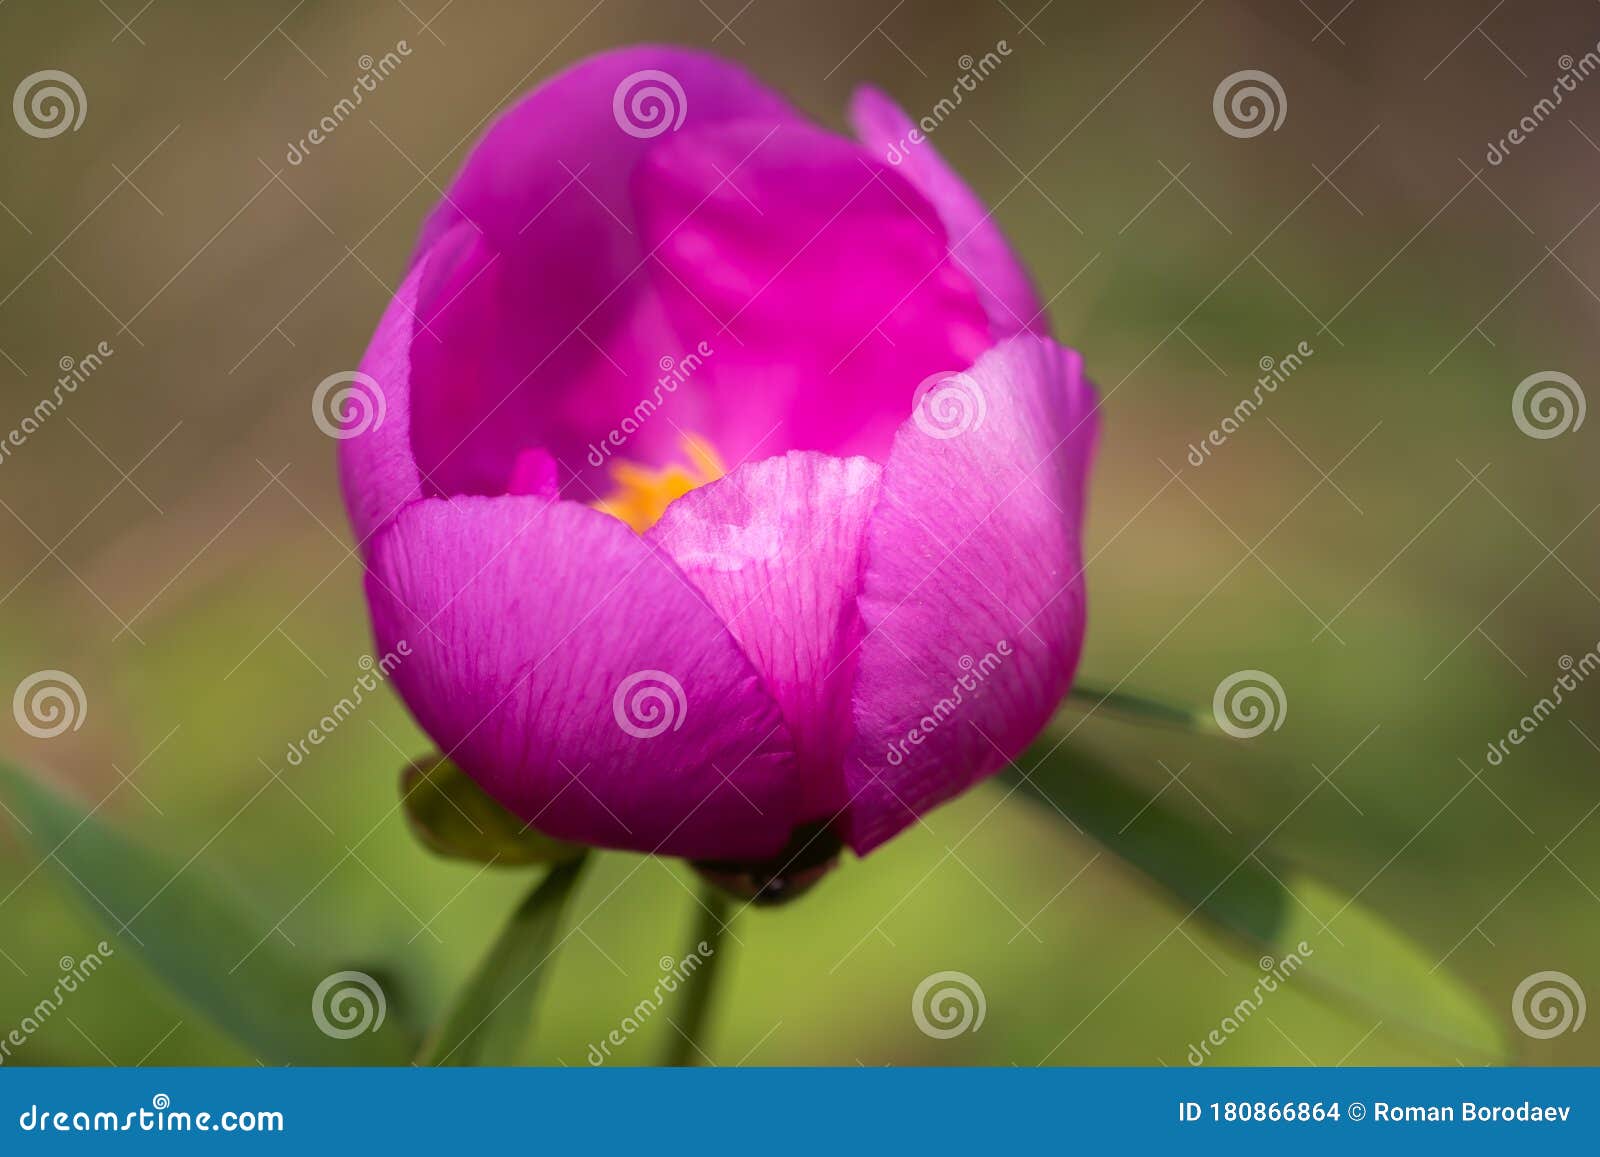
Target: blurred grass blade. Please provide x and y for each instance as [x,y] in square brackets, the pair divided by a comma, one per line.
[1139,708]
[493,1012]
[1355,956]
[453,817]
[194,937]
[700,986]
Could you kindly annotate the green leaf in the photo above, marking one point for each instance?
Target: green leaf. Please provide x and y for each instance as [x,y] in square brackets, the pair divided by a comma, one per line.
[452,816]
[1131,708]
[196,939]
[493,1012]
[1350,953]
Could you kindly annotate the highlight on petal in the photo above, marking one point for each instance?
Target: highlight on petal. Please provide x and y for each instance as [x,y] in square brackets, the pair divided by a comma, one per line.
[578,678]
[821,275]
[775,548]
[979,247]
[972,595]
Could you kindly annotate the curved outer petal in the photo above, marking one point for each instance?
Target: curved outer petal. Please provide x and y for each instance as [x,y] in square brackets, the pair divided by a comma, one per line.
[549,324]
[575,675]
[775,547]
[377,471]
[976,241]
[569,125]
[826,269]
[973,591]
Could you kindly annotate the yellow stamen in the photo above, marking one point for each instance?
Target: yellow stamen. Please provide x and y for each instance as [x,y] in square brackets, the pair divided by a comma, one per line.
[642,495]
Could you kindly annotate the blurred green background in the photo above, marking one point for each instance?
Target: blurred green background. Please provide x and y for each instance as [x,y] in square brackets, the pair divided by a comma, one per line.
[1381,536]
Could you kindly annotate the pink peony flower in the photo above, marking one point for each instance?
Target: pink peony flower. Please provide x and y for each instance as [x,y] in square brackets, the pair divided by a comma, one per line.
[727,483]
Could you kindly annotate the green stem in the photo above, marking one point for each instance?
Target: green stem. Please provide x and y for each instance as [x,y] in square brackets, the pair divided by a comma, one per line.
[1139,709]
[492,1014]
[684,1047]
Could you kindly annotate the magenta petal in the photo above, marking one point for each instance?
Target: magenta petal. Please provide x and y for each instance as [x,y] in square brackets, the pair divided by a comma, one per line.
[547,329]
[776,549]
[980,249]
[377,469]
[574,674]
[524,167]
[973,592]
[816,273]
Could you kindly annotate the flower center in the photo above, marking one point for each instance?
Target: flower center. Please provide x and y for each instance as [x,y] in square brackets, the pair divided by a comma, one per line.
[642,495]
